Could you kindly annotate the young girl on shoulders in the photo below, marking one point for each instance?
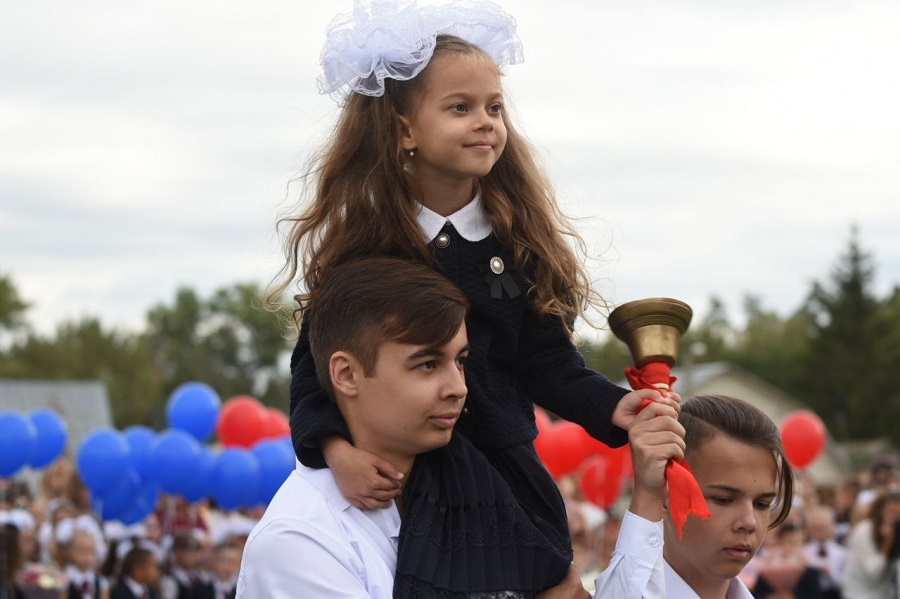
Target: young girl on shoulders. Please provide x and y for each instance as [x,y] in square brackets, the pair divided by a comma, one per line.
[736,454]
[425,163]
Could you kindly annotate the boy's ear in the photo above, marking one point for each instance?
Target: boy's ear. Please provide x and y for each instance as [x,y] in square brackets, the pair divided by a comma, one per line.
[344,369]
[407,139]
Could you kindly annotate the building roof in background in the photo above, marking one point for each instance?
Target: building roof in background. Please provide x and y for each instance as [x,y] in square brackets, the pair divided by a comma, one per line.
[82,404]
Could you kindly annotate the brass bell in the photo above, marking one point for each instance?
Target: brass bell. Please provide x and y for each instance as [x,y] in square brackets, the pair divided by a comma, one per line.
[651,328]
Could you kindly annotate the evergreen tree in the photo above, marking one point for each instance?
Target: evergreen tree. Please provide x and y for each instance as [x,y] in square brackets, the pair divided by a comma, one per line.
[844,374]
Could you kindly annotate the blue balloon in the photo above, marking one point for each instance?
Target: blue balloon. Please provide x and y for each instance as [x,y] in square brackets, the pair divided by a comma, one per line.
[198,486]
[142,505]
[235,479]
[102,460]
[174,461]
[194,407]
[276,462]
[117,502]
[18,440]
[140,441]
[52,436]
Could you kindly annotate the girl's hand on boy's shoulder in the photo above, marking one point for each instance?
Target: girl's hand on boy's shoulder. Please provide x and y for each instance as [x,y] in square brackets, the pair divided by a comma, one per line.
[632,403]
[365,480]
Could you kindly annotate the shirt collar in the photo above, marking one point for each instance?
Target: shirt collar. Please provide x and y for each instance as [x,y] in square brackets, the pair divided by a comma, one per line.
[677,587]
[77,576]
[136,588]
[470,221]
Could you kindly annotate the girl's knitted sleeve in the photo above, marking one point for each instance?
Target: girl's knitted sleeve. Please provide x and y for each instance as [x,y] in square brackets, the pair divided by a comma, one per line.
[553,374]
[313,415]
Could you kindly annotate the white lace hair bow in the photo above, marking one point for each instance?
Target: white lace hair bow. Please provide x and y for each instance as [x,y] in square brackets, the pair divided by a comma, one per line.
[395,39]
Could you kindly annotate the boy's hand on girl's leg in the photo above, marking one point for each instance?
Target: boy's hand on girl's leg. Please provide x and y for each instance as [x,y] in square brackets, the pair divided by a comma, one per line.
[365,480]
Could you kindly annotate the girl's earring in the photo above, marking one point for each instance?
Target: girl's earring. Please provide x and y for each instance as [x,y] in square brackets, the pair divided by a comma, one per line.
[412,153]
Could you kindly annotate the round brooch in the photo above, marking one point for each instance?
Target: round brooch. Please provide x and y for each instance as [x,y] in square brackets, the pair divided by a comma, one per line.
[497,265]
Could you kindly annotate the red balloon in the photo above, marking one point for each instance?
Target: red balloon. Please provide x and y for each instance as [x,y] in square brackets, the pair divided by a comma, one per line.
[541,419]
[242,421]
[599,483]
[276,425]
[562,446]
[803,435]
[545,445]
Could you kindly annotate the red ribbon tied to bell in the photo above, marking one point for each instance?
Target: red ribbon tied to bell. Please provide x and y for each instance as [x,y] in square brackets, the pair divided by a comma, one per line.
[651,328]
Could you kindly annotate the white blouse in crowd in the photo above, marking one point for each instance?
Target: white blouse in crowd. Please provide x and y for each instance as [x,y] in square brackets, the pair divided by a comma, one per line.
[866,575]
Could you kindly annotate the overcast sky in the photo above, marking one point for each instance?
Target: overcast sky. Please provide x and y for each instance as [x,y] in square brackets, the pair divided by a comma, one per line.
[715,147]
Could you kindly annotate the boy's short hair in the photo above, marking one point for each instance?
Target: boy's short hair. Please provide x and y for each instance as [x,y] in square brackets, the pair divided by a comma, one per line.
[706,416]
[136,558]
[182,541]
[367,301]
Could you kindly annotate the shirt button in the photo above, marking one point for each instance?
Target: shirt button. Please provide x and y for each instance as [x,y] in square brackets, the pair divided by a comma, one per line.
[442,240]
[654,542]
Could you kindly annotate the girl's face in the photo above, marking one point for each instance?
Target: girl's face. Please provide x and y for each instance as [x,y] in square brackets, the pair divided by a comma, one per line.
[739,483]
[456,125]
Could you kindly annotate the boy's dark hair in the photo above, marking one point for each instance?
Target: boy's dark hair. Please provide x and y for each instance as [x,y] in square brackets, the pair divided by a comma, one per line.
[365,302]
[706,416]
[134,559]
[184,540]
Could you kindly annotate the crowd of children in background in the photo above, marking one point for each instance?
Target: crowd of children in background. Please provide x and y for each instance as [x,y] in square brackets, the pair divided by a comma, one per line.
[836,544]
[53,545]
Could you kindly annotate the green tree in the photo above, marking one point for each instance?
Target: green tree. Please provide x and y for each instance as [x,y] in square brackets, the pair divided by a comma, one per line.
[85,350]
[770,346]
[845,373]
[12,307]
[714,334]
[229,341]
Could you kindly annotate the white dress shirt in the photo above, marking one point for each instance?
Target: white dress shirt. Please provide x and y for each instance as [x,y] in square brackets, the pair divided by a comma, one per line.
[312,542]
[635,569]
[470,221]
[677,588]
[638,570]
[78,578]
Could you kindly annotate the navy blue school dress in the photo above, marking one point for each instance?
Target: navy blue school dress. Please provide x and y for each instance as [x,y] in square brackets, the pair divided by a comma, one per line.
[482,515]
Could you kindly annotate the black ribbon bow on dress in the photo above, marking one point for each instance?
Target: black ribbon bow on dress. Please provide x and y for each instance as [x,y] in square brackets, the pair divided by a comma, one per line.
[499,278]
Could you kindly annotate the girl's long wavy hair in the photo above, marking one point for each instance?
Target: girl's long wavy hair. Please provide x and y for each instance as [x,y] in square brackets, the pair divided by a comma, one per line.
[364,202]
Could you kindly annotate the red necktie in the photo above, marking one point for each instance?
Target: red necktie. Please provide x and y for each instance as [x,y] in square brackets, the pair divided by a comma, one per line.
[86,588]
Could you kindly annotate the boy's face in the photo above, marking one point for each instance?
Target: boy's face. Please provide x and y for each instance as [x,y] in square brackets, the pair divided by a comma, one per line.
[739,483]
[227,563]
[819,526]
[187,557]
[148,572]
[83,552]
[412,400]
